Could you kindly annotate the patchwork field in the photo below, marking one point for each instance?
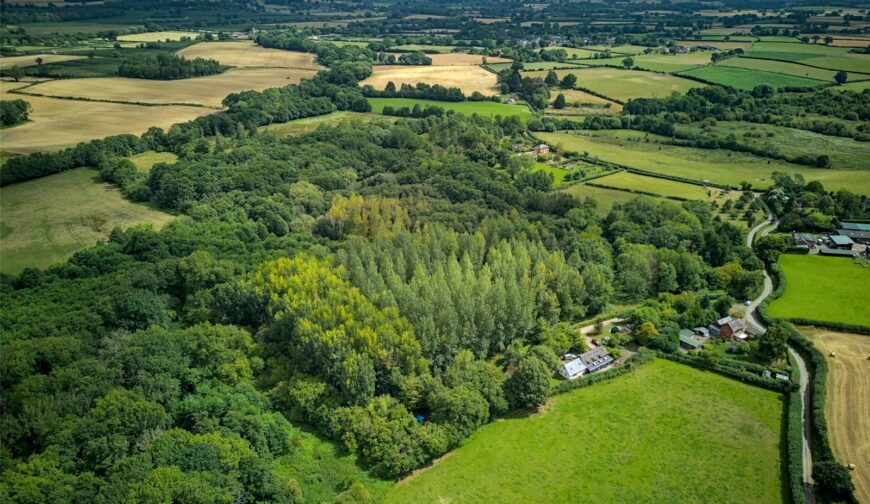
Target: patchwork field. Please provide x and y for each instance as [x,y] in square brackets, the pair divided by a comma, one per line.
[628,148]
[467,78]
[623,85]
[845,153]
[248,54]
[784,67]
[160,36]
[827,289]
[742,78]
[460,59]
[484,108]
[30,60]
[847,400]
[55,123]
[617,442]
[205,91]
[45,220]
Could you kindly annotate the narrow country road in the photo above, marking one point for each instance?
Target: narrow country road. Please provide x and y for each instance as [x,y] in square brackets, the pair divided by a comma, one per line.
[802,367]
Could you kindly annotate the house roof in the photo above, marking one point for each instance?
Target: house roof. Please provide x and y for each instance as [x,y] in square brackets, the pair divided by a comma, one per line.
[686,332]
[854,233]
[724,320]
[735,325]
[836,252]
[574,367]
[596,358]
[841,240]
[856,226]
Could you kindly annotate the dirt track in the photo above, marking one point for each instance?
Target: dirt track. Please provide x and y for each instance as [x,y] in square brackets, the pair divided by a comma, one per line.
[847,405]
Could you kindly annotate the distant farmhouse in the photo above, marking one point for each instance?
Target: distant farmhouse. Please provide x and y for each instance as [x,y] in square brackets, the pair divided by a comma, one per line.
[589,362]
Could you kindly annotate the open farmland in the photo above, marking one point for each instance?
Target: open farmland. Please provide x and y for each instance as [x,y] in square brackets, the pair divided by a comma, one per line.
[308,124]
[247,54]
[45,220]
[204,91]
[657,62]
[160,36]
[721,45]
[826,289]
[467,78]
[56,123]
[632,446]
[147,159]
[30,60]
[460,59]
[484,108]
[577,97]
[628,148]
[853,86]
[660,187]
[834,58]
[742,78]
[620,49]
[847,400]
[787,68]
[425,48]
[535,65]
[604,198]
[623,85]
[844,153]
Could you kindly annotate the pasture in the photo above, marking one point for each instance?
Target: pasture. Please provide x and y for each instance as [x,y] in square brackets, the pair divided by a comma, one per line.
[826,289]
[787,68]
[847,400]
[604,198]
[617,442]
[425,48]
[147,159]
[45,220]
[159,36]
[467,78]
[623,85]
[722,45]
[577,98]
[248,54]
[308,124]
[577,53]
[631,148]
[556,173]
[203,91]
[460,59]
[56,123]
[834,58]
[845,153]
[30,60]
[627,49]
[660,187]
[535,65]
[742,78]
[483,108]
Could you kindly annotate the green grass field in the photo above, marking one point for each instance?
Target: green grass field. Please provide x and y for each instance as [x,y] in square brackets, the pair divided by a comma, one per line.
[426,48]
[308,124]
[827,289]
[845,153]
[147,159]
[659,62]
[834,58]
[661,187]
[483,108]
[605,198]
[537,65]
[787,68]
[557,173]
[44,221]
[720,166]
[665,433]
[742,78]
[623,85]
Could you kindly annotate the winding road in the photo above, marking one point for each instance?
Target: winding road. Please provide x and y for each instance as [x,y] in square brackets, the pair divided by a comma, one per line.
[799,361]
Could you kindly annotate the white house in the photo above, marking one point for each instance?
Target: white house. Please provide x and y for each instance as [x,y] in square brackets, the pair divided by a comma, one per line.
[572,369]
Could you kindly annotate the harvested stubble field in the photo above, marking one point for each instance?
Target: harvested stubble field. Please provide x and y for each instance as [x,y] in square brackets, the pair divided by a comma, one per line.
[623,85]
[468,78]
[160,36]
[30,60]
[45,220]
[248,54]
[56,123]
[205,91]
[847,400]
[460,59]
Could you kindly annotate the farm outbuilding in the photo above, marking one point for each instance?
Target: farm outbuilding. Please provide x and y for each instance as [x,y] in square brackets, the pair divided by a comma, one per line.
[688,341]
[596,359]
[841,242]
[572,369]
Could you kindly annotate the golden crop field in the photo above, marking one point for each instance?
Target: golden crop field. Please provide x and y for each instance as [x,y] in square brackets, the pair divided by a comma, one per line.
[847,404]
[160,36]
[30,60]
[248,54]
[467,78]
[459,59]
[55,123]
[206,91]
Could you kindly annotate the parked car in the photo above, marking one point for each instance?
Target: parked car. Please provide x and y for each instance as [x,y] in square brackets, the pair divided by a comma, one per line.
[747,302]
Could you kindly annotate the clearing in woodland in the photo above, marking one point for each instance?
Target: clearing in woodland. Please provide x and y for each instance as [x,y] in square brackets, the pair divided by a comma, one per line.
[636,438]
[847,400]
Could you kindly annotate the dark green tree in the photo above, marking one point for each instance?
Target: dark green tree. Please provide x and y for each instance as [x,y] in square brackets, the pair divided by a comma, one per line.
[529,385]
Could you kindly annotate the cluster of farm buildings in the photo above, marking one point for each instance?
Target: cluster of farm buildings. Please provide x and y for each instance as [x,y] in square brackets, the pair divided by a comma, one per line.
[851,240]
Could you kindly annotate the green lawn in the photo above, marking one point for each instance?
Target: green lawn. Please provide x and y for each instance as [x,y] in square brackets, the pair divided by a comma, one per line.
[557,173]
[742,78]
[828,289]
[720,166]
[666,433]
[484,108]
[45,220]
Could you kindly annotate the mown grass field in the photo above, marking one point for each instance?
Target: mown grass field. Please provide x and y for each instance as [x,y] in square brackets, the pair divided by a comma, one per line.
[834,58]
[826,289]
[605,198]
[205,91]
[484,108]
[248,54]
[661,187]
[468,78]
[719,166]
[159,36]
[658,62]
[56,123]
[45,220]
[666,433]
[787,68]
[847,400]
[623,85]
[147,159]
[743,78]
[845,153]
